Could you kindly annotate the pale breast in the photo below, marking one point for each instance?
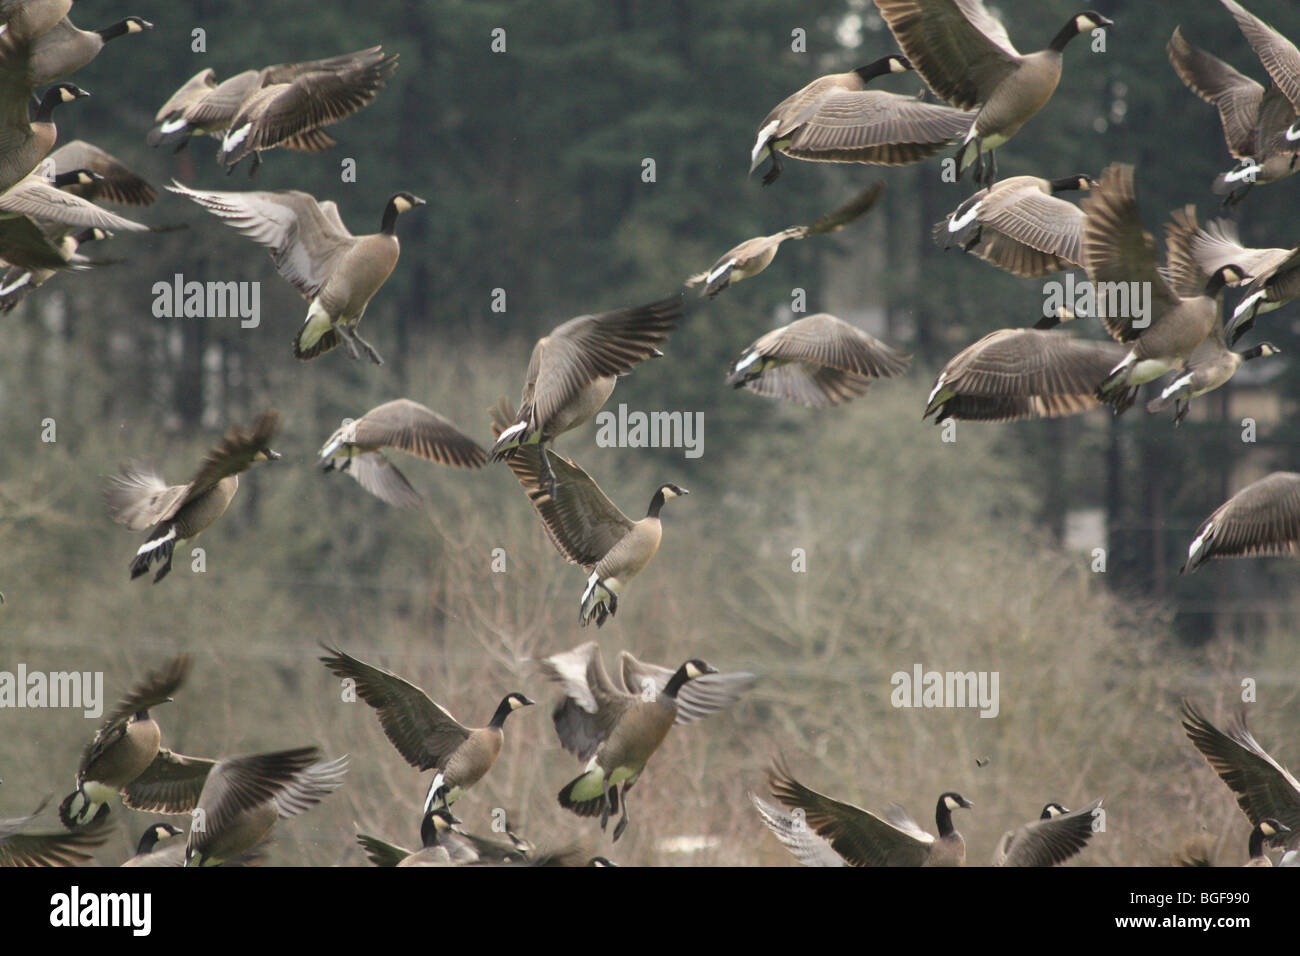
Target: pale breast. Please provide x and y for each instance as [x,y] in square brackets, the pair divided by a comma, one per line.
[201,512]
[583,407]
[633,552]
[358,276]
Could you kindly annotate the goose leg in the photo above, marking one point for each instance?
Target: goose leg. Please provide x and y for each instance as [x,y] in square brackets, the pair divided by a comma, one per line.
[774,173]
[1181,407]
[993,168]
[547,474]
[257,161]
[622,821]
[346,335]
[370,349]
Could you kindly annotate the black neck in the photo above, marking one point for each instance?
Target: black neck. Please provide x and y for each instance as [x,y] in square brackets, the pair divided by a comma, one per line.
[51,99]
[1216,284]
[148,840]
[1256,843]
[71,178]
[943,817]
[1065,184]
[142,715]
[1252,353]
[115,31]
[390,219]
[872,70]
[656,503]
[1064,36]
[428,831]
[502,712]
[675,682]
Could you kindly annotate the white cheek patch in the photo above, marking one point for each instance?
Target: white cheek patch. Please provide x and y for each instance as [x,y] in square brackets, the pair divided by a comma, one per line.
[401,204]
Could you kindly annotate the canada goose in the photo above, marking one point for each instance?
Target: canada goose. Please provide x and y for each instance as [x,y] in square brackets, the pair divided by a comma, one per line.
[25,20]
[836,119]
[793,832]
[1053,838]
[113,181]
[818,361]
[24,143]
[1120,252]
[27,246]
[585,526]
[1275,273]
[276,112]
[1013,374]
[1261,520]
[1211,365]
[124,746]
[864,839]
[424,732]
[1255,120]
[754,255]
[147,851]
[139,497]
[1279,56]
[442,845]
[204,106]
[572,371]
[39,198]
[244,796]
[63,50]
[56,848]
[965,55]
[337,272]
[407,426]
[1264,788]
[20,281]
[1019,225]
[1266,830]
[616,729]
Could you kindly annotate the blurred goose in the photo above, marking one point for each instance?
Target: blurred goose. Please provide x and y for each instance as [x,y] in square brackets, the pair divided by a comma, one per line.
[204,106]
[111,179]
[23,142]
[864,839]
[585,526]
[754,255]
[1019,225]
[1265,789]
[443,845]
[279,111]
[1014,374]
[1053,838]
[965,55]
[1267,830]
[55,201]
[424,733]
[24,20]
[1255,120]
[1261,520]
[148,853]
[836,119]
[61,51]
[1279,56]
[1275,273]
[337,272]
[616,728]
[243,797]
[572,371]
[139,497]
[818,361]
[1210,366]
[124,747]
[407,426]
[1119,252]
[56,848]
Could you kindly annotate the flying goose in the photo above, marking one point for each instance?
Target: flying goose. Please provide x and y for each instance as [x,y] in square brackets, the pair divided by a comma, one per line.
[1209,366]
[754,255]
[1279,56]
[124,747]
[818,361]
[572,371]
[23,142]
[55,848]
[280,111]
[356,448]
[1264,788]
[61,51]
[1013,374]
[244,796]
[25,20]
[585,526]
[111,180]
[864,839]
[204,106]
[1019,225]
[54,201]
[617,727]
[836,119]
[1255,120]
[1120,256]
[18,282]
[424,732]
[337,272]
[139,497]
[1275,273]
[1266,830]
[1262,519]
[443,845]
[1053,838]
[965,55]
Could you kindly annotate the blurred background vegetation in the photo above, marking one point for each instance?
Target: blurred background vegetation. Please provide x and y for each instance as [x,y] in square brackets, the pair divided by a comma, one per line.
[957,556]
